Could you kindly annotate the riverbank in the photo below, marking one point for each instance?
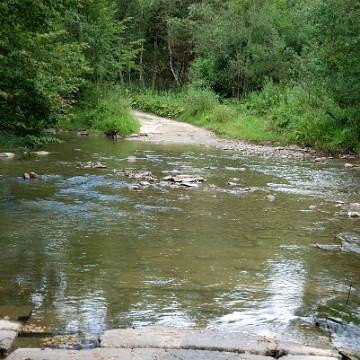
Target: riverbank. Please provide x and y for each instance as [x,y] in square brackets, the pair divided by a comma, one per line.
[166,343]
[156,129]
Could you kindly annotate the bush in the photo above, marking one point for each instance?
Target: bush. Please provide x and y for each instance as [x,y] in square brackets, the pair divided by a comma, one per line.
[167,104]
[199,102]
[104,109]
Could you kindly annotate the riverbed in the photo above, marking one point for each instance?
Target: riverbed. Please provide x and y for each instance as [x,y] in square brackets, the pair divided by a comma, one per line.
[100,241]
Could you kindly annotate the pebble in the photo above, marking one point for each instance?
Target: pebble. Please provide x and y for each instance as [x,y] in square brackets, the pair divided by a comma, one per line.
[131,158]
[230,183]
[40,153]
[270,198]
[321,159]
[7,155]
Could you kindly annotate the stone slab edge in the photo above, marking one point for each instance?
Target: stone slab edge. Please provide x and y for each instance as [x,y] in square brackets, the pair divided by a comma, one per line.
[8,334]
[143,354]
[206,340]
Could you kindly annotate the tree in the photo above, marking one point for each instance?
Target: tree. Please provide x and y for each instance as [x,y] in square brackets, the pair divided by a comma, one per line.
[333,67]
[166,29]
[337,50]
[48,50]
[39,74]
[94,24]
[239,46]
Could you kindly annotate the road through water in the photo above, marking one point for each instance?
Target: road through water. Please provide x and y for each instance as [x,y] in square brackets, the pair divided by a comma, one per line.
[91,249]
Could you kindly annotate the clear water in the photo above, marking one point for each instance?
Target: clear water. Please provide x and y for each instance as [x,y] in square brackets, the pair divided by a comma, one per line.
[89,254]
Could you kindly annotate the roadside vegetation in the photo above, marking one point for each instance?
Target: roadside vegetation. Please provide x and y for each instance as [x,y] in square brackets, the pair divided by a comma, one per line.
[278,114]
[278,71]
[102,110]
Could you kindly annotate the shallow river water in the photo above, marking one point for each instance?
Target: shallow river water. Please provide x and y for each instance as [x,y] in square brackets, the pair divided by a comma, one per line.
[90,254]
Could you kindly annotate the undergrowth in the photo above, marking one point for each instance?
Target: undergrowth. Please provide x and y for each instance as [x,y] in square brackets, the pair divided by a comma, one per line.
[279,114]
[103,110]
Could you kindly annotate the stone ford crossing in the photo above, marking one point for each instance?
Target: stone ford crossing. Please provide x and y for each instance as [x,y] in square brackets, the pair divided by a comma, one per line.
[158,342]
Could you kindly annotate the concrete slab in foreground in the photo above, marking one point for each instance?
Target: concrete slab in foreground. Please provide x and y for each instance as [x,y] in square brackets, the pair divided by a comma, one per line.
[157,342]
[144,354]
[8,334]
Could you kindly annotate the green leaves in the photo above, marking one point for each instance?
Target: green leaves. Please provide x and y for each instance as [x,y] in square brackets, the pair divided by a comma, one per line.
[48,50]
[39,74]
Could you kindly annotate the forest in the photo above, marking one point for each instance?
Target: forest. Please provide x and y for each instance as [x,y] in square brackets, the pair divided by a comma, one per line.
[276,71]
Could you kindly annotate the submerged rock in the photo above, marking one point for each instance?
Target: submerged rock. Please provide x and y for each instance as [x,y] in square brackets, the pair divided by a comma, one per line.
[40,153]
[99,166]
[270,198]
[142,175]
[131,158]
[355,206]
[231,183]
[82,132]
[352,166]
[30,175]
[7,155]
[94,165]
[321,159]
[181,180]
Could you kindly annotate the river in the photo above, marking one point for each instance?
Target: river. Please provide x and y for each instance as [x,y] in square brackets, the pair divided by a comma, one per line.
[88,253]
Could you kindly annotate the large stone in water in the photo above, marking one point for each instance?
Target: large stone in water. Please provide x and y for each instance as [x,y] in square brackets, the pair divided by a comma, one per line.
[7,338]
[8,334]
[17,313]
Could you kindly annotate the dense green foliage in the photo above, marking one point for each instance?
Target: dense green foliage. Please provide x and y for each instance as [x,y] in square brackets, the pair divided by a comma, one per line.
[50,50]
[264,70]
[103,109]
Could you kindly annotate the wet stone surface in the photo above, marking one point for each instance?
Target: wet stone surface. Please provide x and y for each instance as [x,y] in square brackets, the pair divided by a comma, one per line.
[8,334]
[170,343]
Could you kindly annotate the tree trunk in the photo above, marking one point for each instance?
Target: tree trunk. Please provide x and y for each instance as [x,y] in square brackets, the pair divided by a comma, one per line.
[121,77]
[171,66]
[141,72]
[153,84]
[129,78]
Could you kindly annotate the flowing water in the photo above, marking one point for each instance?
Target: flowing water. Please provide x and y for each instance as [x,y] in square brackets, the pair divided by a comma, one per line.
[90,254]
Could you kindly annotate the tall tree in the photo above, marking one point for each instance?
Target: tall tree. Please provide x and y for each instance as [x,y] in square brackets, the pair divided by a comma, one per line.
[239,46]
[39,74]
[94,24]
[337,49]
[48,50]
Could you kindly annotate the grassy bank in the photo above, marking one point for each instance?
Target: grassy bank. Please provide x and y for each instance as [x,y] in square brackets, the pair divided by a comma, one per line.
[102,110]
[279,114]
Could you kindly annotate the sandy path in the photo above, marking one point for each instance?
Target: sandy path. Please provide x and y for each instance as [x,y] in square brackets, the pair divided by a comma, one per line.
[156,129]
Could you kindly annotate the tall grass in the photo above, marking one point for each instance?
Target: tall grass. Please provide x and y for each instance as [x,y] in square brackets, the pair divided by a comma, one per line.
[301,117]
[279,113]
[202,107]
[103,110]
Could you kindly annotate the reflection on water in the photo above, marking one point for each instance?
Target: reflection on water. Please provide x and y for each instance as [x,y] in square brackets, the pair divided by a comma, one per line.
[89,254]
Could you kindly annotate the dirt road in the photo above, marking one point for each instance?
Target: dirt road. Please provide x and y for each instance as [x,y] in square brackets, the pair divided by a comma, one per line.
[156,129]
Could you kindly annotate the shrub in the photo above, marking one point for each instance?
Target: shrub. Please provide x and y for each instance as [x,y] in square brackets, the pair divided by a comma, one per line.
[104,109]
